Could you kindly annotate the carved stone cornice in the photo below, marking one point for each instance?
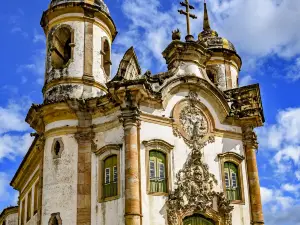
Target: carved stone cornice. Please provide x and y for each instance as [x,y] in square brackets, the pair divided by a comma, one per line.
[85,135]
[130,117]
[246,106]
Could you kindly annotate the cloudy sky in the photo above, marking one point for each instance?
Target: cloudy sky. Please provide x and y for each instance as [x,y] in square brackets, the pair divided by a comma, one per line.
[265,32]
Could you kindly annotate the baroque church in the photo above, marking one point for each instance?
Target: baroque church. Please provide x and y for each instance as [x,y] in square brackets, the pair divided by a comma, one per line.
[174,148]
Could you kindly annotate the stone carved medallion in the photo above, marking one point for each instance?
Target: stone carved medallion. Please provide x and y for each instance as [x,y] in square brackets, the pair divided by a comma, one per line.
[191,120]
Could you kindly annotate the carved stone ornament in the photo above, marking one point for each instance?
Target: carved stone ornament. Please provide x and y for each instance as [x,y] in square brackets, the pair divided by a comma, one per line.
[194,193]
[191,120]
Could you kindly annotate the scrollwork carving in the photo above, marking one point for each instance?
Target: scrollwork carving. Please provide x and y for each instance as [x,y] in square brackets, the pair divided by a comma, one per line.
[194,192]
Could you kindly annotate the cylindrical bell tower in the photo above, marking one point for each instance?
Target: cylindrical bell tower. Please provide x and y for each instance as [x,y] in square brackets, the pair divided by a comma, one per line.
[78,59]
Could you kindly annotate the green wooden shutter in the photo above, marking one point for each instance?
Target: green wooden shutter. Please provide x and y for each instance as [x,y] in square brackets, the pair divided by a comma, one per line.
[110,186]
[232,181]
[157,172]
[197,220]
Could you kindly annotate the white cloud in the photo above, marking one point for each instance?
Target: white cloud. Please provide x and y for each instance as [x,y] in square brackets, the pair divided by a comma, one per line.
[14,131]
[37,37]
[35,66]
[291,187]
[275,200]
[6,190]
[293,73]
[12,118]
[285,132]
[12,146]
[297,174]
[246,80]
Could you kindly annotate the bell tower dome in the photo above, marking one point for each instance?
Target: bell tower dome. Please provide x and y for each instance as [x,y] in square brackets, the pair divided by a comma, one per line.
[78,59]
[224,65]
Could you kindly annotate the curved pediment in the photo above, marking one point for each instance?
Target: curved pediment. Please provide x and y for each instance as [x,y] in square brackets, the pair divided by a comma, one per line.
[129,68]
[202,88]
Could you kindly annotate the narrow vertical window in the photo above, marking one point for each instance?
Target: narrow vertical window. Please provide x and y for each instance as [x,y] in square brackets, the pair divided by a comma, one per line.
[157,170]
[23,212]
[231,181]
[106,63]
[110,187]
[36,201]
[29,197]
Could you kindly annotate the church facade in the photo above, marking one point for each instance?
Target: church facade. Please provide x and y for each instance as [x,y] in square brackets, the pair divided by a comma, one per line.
[174,148]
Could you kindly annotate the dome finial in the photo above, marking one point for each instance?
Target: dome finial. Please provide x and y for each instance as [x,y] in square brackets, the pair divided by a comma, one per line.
[206,25]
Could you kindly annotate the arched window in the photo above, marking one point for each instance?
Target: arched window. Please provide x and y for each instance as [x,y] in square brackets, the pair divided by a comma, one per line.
[197,220]
[232,183]
[157,171]
[110,177]
[106,63]
[55,219]
[61,49]
[212,76]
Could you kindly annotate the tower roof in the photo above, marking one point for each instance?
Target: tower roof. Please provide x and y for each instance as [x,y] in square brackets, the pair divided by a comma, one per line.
[97,3]
[211,37]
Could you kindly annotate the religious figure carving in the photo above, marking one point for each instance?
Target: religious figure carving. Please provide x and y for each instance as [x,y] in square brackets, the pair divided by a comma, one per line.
[193,122]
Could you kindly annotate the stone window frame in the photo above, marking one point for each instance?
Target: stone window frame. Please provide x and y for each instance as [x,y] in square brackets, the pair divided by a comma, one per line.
[57,216]
[236,159]
[166,148]
[103,40]
[102,154]
[60,141]
[50,45]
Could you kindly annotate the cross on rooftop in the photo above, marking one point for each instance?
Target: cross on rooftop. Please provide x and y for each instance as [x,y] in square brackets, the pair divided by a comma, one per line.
[188,15]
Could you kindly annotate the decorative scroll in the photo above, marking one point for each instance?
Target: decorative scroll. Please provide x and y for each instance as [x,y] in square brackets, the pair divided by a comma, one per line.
[194,192]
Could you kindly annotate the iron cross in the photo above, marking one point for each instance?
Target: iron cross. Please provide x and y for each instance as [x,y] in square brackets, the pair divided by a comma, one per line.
[187,14]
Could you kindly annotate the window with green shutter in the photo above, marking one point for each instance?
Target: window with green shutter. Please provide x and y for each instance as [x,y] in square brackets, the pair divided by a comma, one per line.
[110,177]
[197,220]
[157,171]
[232,181]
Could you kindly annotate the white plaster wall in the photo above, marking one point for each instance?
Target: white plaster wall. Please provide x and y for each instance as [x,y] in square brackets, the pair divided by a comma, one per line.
[189,68]
[154,206]
[111,212]
[61,123]
[60,181]
[98,71]
[12,219]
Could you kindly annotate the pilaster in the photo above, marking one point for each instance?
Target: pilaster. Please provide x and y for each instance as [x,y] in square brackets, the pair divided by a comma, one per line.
[131,123]
[250,144]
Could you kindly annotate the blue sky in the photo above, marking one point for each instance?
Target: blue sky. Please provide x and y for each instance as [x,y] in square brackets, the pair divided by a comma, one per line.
[266,34]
